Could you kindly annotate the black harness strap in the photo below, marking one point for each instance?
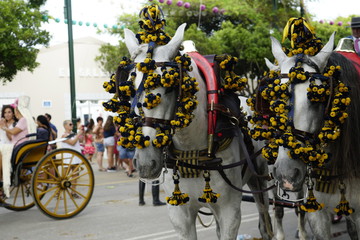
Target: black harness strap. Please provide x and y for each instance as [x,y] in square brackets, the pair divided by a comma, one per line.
[220,168]
[227,180]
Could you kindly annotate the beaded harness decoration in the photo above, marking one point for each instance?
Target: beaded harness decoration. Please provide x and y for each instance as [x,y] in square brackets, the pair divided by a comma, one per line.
[278,128]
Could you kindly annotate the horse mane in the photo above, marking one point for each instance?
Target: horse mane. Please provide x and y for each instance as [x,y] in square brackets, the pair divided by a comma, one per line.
[346,150]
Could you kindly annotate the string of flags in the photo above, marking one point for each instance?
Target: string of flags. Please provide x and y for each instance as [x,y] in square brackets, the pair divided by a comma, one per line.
[340,23]
[82,23]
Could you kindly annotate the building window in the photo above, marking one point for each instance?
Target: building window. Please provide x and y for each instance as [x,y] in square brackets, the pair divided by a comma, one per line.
[47,103]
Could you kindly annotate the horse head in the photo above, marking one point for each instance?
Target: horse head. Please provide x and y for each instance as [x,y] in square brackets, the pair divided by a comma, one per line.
[149,160]
[307,117]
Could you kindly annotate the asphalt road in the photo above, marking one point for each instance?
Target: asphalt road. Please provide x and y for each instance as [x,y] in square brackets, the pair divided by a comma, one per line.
[113,213]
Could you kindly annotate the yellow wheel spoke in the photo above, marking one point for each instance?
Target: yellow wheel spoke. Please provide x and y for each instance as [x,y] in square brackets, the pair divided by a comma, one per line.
[69,164]
[46,181]
[65,202]
[55,167]
[16,195]
[46,191]
[72,198]
[77,177]
[58,202]
[74,190]
[49,173]
[23,194]
[52,197]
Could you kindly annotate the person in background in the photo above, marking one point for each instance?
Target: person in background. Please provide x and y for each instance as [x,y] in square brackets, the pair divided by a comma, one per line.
[78,123]
[80,126]
[72,143]
[99,142]
[89,148]
[7,113]
[117,159]
[54,131]
[355,29]
[119,162]
[126,155]
[109,142]
[43,130]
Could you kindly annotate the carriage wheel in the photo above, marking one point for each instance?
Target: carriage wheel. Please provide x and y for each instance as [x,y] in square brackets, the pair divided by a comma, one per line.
[21,198]
[70,181]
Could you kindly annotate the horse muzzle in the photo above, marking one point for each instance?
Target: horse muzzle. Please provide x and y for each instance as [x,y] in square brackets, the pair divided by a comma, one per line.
[150,170]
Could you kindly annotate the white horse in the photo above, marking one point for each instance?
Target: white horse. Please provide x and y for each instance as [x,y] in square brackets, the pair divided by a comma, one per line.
[150,160]
[308,117]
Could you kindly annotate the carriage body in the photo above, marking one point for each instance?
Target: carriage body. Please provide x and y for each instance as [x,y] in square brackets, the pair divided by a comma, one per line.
[59,182]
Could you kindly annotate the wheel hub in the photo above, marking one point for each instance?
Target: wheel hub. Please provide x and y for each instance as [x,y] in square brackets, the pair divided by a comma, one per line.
[65,184]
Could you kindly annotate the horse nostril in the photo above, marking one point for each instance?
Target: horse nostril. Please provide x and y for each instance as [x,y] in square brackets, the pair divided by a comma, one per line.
[296,172]
[153,164]
[274,172]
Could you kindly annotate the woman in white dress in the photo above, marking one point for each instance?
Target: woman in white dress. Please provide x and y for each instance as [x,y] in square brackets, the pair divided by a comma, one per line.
[16,134]
[8,115]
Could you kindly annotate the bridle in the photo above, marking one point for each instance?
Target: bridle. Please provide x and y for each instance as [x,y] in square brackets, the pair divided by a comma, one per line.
[264,109]
[148,121]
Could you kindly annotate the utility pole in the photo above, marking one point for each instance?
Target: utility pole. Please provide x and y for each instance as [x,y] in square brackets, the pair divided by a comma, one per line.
[68,16]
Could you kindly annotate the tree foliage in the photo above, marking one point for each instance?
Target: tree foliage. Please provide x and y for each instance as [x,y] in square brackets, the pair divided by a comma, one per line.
[243,30]
[20,34]
[324,30]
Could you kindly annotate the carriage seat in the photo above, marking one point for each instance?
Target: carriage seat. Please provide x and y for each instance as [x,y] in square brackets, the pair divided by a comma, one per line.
[29,152]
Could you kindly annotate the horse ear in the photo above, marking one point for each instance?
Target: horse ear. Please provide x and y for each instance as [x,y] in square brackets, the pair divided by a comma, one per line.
[277,51]
[173,46]
[322,57]
[271,66]
[131,41]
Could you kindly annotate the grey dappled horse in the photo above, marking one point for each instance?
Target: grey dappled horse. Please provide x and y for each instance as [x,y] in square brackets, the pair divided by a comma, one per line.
[308,117]
[150,160]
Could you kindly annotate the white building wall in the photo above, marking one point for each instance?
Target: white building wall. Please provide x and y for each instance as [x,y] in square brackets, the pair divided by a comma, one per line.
[50,83]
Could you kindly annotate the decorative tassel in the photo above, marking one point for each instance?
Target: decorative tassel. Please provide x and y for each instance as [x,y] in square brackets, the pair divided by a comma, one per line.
[311,204]
[343,207]
[177,198]
[208,196]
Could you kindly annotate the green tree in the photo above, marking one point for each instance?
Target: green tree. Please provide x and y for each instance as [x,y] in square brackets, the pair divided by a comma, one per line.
[324,30]
[20,35]
[243,30]
[110,55]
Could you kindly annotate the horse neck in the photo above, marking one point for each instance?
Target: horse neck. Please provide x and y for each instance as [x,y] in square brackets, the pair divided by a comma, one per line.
[194,137]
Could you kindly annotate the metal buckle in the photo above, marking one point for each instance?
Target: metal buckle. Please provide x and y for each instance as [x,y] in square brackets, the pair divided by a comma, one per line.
[285,196]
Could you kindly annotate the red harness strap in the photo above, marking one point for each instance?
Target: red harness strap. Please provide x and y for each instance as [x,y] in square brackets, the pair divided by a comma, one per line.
[212,93]
[352,57]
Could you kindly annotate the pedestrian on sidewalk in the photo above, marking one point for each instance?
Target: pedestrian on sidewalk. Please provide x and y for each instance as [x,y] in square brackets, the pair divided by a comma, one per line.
[99,143]
[109,142]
